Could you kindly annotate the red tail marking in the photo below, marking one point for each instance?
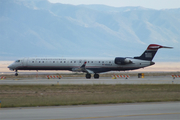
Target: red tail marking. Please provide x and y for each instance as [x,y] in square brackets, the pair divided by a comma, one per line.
[154,47]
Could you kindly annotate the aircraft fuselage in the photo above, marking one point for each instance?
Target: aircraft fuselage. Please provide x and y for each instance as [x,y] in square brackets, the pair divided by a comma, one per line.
[95,65]
[88,65]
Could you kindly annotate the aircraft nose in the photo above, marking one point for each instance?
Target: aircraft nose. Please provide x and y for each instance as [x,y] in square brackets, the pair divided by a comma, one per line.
[11,67]
[152,63]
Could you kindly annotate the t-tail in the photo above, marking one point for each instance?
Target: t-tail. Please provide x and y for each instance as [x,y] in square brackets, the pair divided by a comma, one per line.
[150,52]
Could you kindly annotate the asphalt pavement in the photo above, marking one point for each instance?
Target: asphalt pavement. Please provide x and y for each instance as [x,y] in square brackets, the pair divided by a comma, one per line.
[103,80]
[127,111]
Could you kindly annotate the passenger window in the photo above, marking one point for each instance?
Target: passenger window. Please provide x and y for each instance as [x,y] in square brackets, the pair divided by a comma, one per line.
[42,61]
[64,61]
[74,61]
[32,61]
[53,61]
[39,61]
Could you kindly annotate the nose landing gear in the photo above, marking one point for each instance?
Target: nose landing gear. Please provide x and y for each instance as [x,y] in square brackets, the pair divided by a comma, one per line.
[16,74]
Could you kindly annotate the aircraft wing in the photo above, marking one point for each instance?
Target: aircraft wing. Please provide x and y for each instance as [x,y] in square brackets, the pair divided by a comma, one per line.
[82,69]
[89,71]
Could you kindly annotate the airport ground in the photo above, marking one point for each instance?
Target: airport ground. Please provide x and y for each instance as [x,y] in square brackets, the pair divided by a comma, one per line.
[79,78]
[126,111]
[59,95]
[133,98]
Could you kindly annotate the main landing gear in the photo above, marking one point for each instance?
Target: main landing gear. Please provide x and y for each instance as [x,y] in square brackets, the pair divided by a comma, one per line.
[96,76]
[16,74]
[88,76]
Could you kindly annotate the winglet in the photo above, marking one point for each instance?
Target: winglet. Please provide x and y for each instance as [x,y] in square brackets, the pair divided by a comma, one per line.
[83,66]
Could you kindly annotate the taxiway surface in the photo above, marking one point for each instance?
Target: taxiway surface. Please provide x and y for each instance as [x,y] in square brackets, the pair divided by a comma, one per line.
[131,111]
[132,80]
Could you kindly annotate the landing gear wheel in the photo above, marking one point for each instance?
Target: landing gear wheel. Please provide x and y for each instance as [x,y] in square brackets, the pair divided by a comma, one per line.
[88,76]
[16,74]
[96,76]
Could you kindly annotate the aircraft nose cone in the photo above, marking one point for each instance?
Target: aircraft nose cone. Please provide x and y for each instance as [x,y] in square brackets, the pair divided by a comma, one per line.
[152,63]
[11,67]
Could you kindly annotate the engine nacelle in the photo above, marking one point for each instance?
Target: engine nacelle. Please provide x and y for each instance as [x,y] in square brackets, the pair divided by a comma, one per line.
[122,61]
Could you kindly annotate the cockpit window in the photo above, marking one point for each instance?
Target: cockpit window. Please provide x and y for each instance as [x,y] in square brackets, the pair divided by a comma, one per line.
[17,61]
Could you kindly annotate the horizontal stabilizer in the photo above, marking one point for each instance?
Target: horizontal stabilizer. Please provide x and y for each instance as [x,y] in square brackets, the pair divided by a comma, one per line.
[156,47]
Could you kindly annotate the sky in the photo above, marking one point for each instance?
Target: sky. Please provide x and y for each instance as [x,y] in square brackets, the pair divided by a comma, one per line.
[153,4]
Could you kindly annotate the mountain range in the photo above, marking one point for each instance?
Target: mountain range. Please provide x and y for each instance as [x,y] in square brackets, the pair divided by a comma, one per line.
[39,28]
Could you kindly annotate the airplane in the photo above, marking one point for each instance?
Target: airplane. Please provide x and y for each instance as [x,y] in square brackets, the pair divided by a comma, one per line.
[88,65]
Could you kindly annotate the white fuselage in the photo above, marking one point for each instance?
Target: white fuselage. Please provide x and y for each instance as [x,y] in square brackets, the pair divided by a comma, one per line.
[95,65]
[88,65]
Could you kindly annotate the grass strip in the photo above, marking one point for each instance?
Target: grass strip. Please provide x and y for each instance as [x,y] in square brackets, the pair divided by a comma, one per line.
[57,95]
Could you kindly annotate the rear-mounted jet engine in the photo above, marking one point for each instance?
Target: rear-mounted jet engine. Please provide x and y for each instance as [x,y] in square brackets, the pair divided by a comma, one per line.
[122,61]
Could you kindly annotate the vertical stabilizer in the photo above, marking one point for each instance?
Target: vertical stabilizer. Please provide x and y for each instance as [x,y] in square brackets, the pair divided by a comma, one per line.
[150,52]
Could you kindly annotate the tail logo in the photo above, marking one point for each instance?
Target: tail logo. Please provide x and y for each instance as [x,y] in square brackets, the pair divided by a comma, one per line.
[148,55]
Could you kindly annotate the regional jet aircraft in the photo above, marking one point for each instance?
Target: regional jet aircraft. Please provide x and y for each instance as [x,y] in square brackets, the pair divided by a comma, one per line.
[87,65]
